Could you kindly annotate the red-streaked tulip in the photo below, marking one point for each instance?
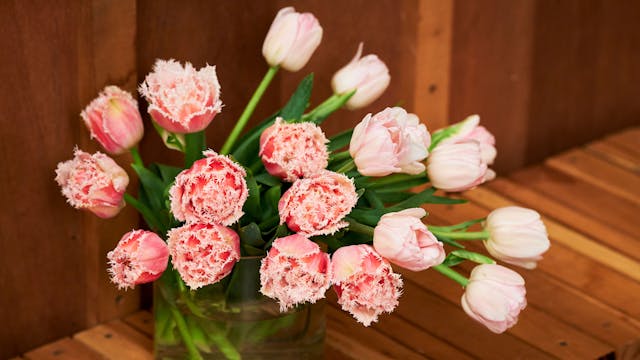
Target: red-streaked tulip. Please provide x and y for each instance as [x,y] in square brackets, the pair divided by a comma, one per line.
[516,236]
[368,75]
[203,253]
[295,271]
[140,257]
[181,98]
[93,182]
[114,120]
[293,150]
[292,39]
[403,239]
[212,191]
[391,141]
[364,282]
[458,166]
[494,297]
[317,205]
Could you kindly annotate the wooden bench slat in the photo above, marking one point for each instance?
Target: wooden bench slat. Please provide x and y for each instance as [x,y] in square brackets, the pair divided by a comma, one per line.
[116,340]
[615,154]
[141,321]
[628,139]
[63,349]
[620,213]
[582,165]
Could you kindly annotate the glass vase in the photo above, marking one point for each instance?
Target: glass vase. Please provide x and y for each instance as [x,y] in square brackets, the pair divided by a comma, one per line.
[232,320]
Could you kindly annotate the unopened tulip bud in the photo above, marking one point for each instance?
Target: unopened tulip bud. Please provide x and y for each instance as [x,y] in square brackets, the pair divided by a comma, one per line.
[114,120]
[516,236]
[368,75]
[457,166]
[470,129]
[140,257]
[292,39]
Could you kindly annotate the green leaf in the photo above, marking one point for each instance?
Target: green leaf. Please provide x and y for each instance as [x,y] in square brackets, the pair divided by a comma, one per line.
[388,198]
[386,181]
[444,200]
[475,257]
[148,215]
[251,235]
[153,186]
[271,199]
[251,250]
[268,180]
[299,101]
[268,224]
[252,205]
[167,173]
[452,260]
[406,185]
[341,140]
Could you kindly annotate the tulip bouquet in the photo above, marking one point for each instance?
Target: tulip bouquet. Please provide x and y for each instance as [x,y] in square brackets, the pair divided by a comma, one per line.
[315,212]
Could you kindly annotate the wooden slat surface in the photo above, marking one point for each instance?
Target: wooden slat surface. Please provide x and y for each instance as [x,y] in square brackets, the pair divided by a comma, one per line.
[583,299]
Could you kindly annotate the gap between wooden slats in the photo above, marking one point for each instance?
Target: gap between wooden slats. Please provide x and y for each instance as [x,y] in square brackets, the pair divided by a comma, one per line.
[615,154]
[628,140]
[116,340]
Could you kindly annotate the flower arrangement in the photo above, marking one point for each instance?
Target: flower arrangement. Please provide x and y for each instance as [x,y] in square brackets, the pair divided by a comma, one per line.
[318,215]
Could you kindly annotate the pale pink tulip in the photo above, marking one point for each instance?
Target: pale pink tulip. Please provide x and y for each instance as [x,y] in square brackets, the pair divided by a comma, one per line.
[181,99]
[470,129]
[203,253]
[295,271]
[403,239]
[317,205]
[364,282]
[458,166]
[93,182]
[212,191]
[368,75]
[293,150]
[114,120]
[140,257]
[391,141]
[494,297]
[292,39]
[516,236]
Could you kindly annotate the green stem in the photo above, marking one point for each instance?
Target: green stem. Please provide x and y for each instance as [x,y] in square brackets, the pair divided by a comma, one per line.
[359,228]
[340,156]
[246,114]
[452,274]
[322,111]
[347,167]
[195,145]
[476,235]
[136,156]
[194,354]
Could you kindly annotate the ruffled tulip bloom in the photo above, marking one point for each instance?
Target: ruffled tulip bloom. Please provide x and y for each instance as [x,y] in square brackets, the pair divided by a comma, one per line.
[93,182]
[114,120]
[403,239]
[212,191]
[181,99]
[368,75]
[317,205]
[516,236]
[291,151]
[458,166]
[203,253]
[470,129]
[295,271]
[364,282]
[494,297]
[140,257]
[391,141]
[292,39]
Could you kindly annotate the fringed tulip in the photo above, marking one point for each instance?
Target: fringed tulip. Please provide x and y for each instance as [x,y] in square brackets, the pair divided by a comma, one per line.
[458,166]
[317,205]
[391,141]
[364,282]
[295,271]
[470,129]
[516,236]
[292,39]
[93,182]
[203,253]
[293,150]
[494,297]
[114,120]
[181,99]
[140,257]
[403,239]
[368,75]
[212,191]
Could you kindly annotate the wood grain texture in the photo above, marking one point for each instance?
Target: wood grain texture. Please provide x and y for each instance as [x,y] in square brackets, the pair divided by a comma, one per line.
[63,349]
[116,340]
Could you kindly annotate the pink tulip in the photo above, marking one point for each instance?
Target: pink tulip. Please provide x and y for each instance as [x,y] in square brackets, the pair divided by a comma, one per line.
[212,191]
[140,257]
[364,282]
[292,39]
[114,120]
[295,271]
[469,129]
[404,240]
[292,151]
[517,236]
[368,75]
[203,254]
[494,297]
[391,141]
[458,166]
[93,182]
[181,99]
[317,205]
